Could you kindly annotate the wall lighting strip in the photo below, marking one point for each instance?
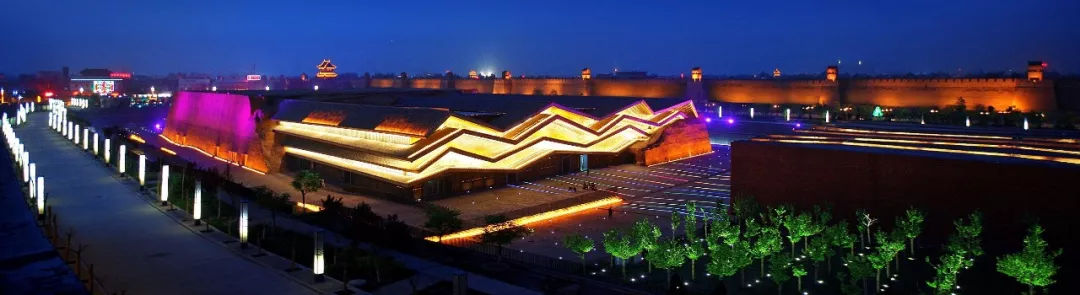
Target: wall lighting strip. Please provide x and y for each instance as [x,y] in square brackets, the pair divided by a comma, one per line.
[522,221]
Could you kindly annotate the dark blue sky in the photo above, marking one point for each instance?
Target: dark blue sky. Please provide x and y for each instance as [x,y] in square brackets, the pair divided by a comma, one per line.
[538,37]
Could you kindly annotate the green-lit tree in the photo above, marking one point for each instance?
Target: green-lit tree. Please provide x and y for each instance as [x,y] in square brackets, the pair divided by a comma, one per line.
[839,236]
[675,219]
[581,245]
[780,270]
[859,268]
[307,181]
[865,225]
[911,226]
[621,246]
[668,254]
[725,261]
[744,207]
[766,241]
[968,236]
[798,226]
[945,271]
[646,236]
[500,231]
[817,250]
[442,220]
[889,247]
[1034,265]
[694,249]
[819,224]
[798,271]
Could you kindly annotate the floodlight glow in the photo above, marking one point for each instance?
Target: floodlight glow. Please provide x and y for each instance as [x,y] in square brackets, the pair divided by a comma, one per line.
[213,88]
[164,184]
[142,170]
[122,166]
[243,223]
[196,210]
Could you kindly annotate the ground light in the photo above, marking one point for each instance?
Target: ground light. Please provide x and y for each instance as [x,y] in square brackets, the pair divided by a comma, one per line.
[41,195]
[196,203]
[243,224]
[318,266]
[967,121]
[121,165]
[164,185]
[142,170]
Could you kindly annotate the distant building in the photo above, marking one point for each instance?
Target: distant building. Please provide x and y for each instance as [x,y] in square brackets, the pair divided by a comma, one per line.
[98,81]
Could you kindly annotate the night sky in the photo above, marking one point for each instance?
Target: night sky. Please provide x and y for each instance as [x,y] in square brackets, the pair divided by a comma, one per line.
[539,37]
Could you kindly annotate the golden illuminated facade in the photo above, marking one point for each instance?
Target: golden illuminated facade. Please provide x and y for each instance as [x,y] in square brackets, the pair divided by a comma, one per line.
[695,74]
[326,70]
[586,74]
[831,73]
[1035,71]
[473,74]
[403,148]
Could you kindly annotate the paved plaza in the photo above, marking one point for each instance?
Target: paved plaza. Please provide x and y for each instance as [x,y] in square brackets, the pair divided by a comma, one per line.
[134,246]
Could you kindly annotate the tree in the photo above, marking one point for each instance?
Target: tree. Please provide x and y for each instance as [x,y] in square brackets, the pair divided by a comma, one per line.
[859,268]
[780,270]
[694,250]
[945,271]
[864,225]
[579,244]
[911,226]
[839,236]
[766,243]
[669,254]
[307,181]
[967,235]
[888,246]
[442,220]
[674,223]
[798,226]
[725,261]
[646,237]
[500,230]
[798,271]
[818,250]
[745,207]
[621,246]
[1034,265]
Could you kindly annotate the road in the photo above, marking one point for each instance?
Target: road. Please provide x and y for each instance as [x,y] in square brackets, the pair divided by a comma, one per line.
[135,247]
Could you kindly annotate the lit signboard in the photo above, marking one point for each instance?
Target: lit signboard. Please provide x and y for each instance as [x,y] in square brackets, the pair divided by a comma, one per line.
[120,75]
[254,77]
[104,87]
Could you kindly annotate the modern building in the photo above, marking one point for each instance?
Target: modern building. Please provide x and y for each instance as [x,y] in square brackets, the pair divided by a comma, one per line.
[414,145]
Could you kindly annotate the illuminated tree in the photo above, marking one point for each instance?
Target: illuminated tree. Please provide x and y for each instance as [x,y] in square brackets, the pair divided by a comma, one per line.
[945,271]
[839,236]
[674,223]
[442,220]
[307,181]
[501,231]
[864,225]
[798,226]
[889,246]
[1034,265]
[581,245]
[669,254]
[798,271]
[725,261]
[646,237]
[745,207]
[967,236]
[859,268]
[780,270]
[694,250]
[911,226]
[767,241]
[621,246]
[818,250]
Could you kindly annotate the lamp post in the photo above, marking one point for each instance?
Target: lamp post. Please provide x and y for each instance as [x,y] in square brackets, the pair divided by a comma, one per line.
[85,139]
[108,152]
[318,266]
[243,224]
[196,204]
[76,134]
[41,197]
[827,116]
[95,143]
[26,167]
[787,114]
[33,171]
[164,185]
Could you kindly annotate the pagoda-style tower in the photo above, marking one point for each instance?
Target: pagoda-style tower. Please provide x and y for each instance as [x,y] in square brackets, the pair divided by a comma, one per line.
[326,70]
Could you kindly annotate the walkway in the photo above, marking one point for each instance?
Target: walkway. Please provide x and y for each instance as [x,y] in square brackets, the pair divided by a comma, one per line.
[134,246]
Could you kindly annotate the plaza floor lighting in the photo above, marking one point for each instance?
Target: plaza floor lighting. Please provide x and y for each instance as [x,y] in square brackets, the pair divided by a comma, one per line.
[164,184]
[108,152]
[121,165]
[196,203]
[243,224]
[142,170]
[41,195]
[318,266]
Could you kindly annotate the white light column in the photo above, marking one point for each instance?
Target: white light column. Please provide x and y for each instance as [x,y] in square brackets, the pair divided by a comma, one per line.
[108,152]
[41,196]
[95,144]
[720,111]
[142,170]
[787,114]
[196,204]
[751,113]
[164,185]
[121,165]
[33,171]
[85,139]
[26,167]
[1026,126]
[827,116]
[318,266]
[76,131]
[243,224]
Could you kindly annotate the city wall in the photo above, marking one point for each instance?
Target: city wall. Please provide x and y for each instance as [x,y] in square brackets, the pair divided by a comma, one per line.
[219,124]
[1001,93]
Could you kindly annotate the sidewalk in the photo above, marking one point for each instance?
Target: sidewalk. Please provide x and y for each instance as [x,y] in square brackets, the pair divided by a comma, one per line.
[136,247]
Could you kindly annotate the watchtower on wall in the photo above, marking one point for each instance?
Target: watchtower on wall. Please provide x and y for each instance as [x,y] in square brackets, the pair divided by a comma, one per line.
[831,73]
[1035,71]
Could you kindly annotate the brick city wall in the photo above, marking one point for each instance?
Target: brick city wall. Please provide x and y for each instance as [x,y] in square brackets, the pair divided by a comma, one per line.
[806,92]
[219,124]
[997,92]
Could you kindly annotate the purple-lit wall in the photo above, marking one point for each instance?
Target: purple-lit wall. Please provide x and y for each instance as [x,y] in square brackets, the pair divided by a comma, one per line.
[219,124]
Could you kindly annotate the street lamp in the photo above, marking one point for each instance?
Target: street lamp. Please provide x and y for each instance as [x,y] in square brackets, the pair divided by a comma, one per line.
[318,266]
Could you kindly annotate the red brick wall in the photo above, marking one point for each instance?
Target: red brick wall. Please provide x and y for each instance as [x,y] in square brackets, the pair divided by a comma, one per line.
[681,139]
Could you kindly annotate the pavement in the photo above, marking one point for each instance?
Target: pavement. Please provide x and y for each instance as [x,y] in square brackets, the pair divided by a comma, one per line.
[136,247]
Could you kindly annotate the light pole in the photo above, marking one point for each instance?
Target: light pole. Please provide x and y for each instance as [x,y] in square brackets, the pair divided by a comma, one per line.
[196,204]
[243,224]
[164,185]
